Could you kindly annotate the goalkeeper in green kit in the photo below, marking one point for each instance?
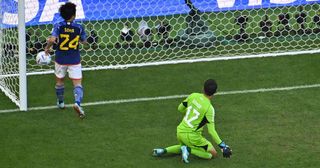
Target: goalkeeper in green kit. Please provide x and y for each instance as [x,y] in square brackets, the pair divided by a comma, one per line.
[198,111]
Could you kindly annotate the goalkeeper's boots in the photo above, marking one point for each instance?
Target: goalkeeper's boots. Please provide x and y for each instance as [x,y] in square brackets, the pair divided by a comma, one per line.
[60,104]
[79,110]
[185,154]
[158,152]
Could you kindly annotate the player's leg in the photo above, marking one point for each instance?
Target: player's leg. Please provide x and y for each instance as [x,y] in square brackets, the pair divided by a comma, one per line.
[202,148]
[60,72]
[77,91]
[78,96]
[60,92]
[198,145]
[75,74]
[175,149]
[202,153]
[183,138]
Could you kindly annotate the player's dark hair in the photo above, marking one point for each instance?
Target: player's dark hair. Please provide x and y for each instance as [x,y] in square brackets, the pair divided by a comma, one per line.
[67,10]
[210,87]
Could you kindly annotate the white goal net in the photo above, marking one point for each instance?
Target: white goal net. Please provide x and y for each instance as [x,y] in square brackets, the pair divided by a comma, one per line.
[127,33]
[9,56]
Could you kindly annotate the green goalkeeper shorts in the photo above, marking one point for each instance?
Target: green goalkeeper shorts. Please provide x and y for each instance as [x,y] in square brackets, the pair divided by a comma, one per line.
[194,140]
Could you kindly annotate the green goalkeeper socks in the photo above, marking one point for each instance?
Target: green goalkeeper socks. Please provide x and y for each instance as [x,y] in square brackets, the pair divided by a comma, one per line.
[201,153]
[175,149]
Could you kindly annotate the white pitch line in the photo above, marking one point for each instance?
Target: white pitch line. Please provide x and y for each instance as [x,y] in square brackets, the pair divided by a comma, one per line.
[144,99]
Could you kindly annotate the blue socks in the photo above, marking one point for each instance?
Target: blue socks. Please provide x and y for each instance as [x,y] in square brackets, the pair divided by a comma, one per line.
[78,94]
[60,93]
[77,91]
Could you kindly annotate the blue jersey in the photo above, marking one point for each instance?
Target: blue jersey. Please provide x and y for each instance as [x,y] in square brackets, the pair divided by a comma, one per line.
[68,35]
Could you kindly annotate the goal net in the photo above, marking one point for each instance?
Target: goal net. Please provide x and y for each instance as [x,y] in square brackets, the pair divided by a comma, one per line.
[9,57]
[129,33]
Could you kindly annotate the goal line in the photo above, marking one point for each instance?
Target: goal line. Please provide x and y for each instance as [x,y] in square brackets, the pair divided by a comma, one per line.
[145,99]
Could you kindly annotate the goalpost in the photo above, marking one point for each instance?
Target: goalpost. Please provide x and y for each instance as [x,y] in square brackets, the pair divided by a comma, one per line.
[129,33]
[13,78]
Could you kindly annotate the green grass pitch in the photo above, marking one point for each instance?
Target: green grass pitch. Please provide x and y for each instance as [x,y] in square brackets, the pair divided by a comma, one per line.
[271,129]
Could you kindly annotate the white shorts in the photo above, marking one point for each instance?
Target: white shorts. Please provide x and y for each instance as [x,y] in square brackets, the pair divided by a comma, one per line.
[74,71]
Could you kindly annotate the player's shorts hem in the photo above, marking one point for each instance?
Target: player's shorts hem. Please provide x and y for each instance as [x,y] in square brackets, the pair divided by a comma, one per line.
[75,78]
[59,77]
[74,71]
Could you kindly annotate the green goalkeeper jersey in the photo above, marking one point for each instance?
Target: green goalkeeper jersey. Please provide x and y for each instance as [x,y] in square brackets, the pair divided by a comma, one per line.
[198,112]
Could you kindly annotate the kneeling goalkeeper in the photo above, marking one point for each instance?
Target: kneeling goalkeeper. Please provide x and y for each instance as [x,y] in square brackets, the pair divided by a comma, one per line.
[198,111]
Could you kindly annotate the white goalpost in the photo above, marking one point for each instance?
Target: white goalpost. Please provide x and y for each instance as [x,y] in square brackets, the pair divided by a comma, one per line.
[13,78]
[22,56]
[130,33]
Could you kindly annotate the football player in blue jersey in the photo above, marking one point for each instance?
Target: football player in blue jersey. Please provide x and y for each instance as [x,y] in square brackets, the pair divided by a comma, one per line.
[67,35]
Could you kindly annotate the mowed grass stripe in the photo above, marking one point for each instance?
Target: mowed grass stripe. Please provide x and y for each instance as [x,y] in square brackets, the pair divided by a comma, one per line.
[261,90]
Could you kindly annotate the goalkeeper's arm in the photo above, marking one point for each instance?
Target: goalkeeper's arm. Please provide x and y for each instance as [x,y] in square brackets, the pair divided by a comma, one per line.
[213,133]
[226,150]
[182,106]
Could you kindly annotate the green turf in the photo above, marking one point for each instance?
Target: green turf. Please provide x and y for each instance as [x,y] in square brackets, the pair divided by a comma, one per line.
[273,129]
[232,75]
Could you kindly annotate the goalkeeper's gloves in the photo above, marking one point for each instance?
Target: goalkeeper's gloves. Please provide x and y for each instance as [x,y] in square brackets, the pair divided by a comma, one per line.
[226,150]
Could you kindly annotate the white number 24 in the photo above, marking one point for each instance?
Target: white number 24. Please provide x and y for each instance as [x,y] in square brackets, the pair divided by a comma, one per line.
[195,115]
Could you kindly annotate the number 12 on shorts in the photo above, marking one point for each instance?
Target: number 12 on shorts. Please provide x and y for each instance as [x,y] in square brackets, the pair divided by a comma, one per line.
[191,115]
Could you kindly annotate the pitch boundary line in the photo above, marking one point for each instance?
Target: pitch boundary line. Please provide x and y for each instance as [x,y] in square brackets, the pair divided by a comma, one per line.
[144,99]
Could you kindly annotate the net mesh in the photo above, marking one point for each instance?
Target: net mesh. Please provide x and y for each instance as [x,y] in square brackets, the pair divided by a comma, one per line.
[9,58]
[135,32]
